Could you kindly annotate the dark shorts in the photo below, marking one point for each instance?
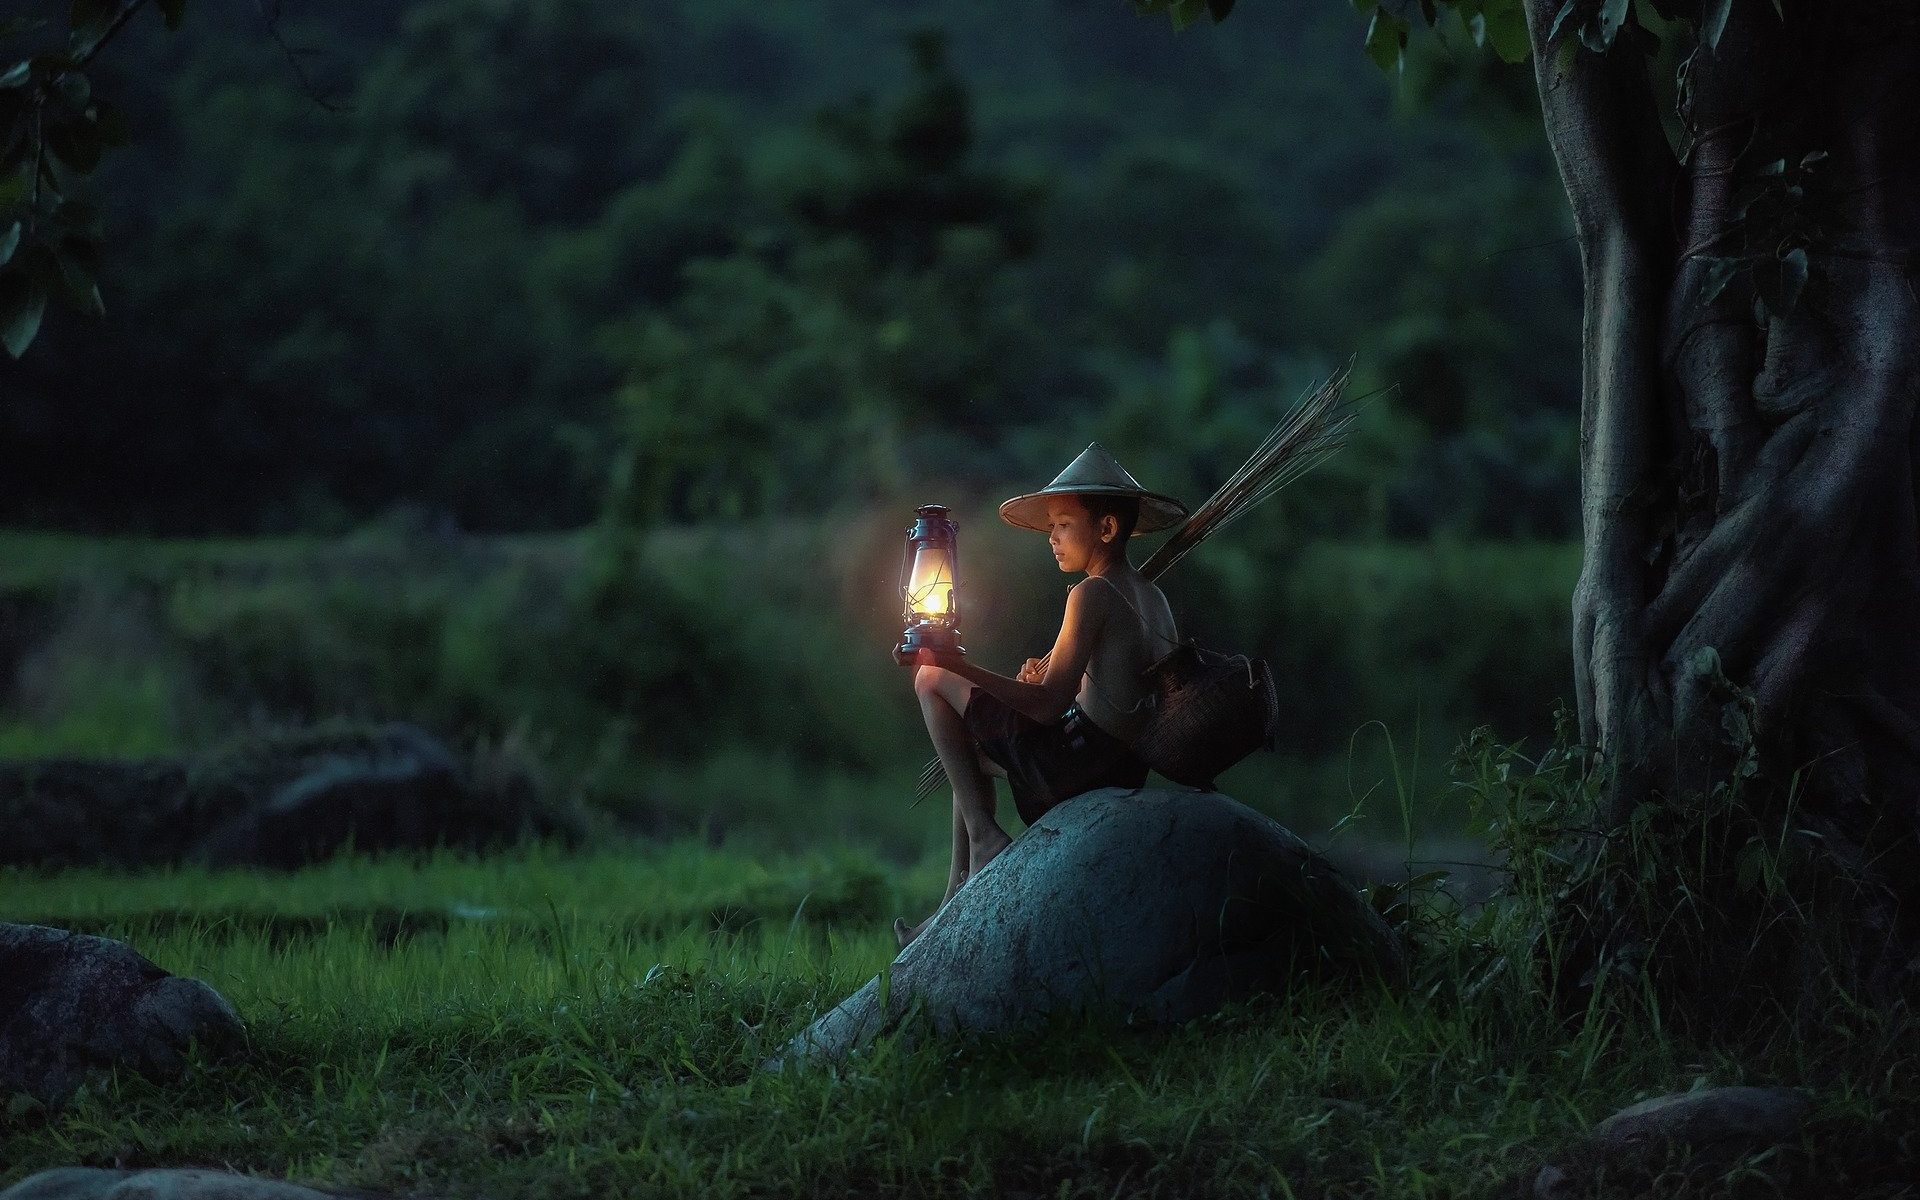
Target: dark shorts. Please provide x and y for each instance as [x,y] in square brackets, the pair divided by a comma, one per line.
[1049,763]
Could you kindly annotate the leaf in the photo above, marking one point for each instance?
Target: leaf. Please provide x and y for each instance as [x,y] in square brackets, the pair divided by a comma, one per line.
[1560,18]
[1779,280]
[1720,272]
[1613,14]
[13,187]
[1597,32]
[1733,720]
[1793,271]
[17,75]
[23,301]
[79,263]
[1186,12]
[9,242]
[1384,897]
[1705,662]
[1748,193]
[1386,39]
[1507,30]
[74,88]
[88,22]
[1563,57]
[1713,22]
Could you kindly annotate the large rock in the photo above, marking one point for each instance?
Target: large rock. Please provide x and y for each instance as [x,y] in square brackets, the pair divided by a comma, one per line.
[1155,903]
[396,787]
[72,1004]
[282,800]
[99,1183]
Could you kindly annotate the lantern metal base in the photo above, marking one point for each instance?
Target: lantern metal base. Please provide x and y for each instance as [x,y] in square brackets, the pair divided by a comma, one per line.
[927,637]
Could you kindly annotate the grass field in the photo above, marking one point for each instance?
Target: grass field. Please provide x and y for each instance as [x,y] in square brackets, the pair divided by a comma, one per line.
[591,1023]
[540,1024]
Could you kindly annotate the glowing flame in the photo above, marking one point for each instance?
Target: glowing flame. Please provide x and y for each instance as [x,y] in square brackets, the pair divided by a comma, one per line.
[930,592]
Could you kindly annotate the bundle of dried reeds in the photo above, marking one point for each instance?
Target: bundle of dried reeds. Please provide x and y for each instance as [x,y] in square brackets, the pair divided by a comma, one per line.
[1310,433]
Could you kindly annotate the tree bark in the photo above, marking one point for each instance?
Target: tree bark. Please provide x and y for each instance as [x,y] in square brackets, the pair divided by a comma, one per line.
[1748,476]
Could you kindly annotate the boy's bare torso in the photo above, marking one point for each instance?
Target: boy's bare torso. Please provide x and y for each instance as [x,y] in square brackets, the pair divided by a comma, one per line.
[1128,641]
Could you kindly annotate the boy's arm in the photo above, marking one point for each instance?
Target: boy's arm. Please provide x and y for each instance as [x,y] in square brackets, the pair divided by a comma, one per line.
[1047,700]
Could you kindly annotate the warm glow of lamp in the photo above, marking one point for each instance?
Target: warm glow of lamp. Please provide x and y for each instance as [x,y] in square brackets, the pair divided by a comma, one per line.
[929,584]
[930,592]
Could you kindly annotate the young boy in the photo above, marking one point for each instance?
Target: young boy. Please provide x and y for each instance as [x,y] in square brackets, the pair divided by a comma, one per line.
[1055,732]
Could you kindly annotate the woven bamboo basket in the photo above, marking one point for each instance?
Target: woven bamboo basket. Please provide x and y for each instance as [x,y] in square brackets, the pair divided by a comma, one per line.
[1211,710]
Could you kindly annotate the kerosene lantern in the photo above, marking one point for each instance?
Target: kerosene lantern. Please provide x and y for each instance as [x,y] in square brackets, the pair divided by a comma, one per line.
[927,584]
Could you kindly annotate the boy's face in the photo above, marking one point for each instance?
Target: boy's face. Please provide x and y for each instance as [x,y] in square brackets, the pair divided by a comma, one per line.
[1071,532]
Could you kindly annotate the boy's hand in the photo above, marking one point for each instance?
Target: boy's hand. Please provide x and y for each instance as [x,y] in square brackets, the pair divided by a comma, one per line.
[1034,672]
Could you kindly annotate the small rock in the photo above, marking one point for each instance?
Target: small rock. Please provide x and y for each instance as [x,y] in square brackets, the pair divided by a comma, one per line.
[72,1004]
[1551,1184]
[97,1183]
[1713,1127]
[1157,903]
[1743,1118]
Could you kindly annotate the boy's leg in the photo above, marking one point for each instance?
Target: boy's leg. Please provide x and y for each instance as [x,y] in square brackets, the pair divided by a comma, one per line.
[957,865]
[943,697]
[956,875]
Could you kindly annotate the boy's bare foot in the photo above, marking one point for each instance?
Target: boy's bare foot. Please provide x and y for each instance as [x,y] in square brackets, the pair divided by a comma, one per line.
[905,933]
[982,853]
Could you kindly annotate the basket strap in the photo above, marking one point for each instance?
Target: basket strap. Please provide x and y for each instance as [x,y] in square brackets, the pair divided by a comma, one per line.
[1174,642]
[1115,588]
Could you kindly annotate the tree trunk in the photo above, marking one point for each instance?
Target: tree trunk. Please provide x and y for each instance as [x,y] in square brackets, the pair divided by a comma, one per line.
[1748,478]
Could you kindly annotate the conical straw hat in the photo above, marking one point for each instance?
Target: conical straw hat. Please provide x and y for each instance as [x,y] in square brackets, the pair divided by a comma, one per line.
[1095,473]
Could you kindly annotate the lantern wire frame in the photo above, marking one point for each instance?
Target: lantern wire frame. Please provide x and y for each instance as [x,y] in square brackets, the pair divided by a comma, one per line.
[1311,432]
[942,577]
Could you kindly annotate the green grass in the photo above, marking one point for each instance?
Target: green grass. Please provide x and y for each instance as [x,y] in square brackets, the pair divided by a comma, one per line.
[544,1025]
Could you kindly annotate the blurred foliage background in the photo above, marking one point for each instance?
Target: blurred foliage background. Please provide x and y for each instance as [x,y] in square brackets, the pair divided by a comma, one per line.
[560,374]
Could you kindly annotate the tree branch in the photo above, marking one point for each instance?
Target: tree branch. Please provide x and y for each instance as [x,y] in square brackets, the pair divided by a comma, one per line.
[270,21]
[119,22]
